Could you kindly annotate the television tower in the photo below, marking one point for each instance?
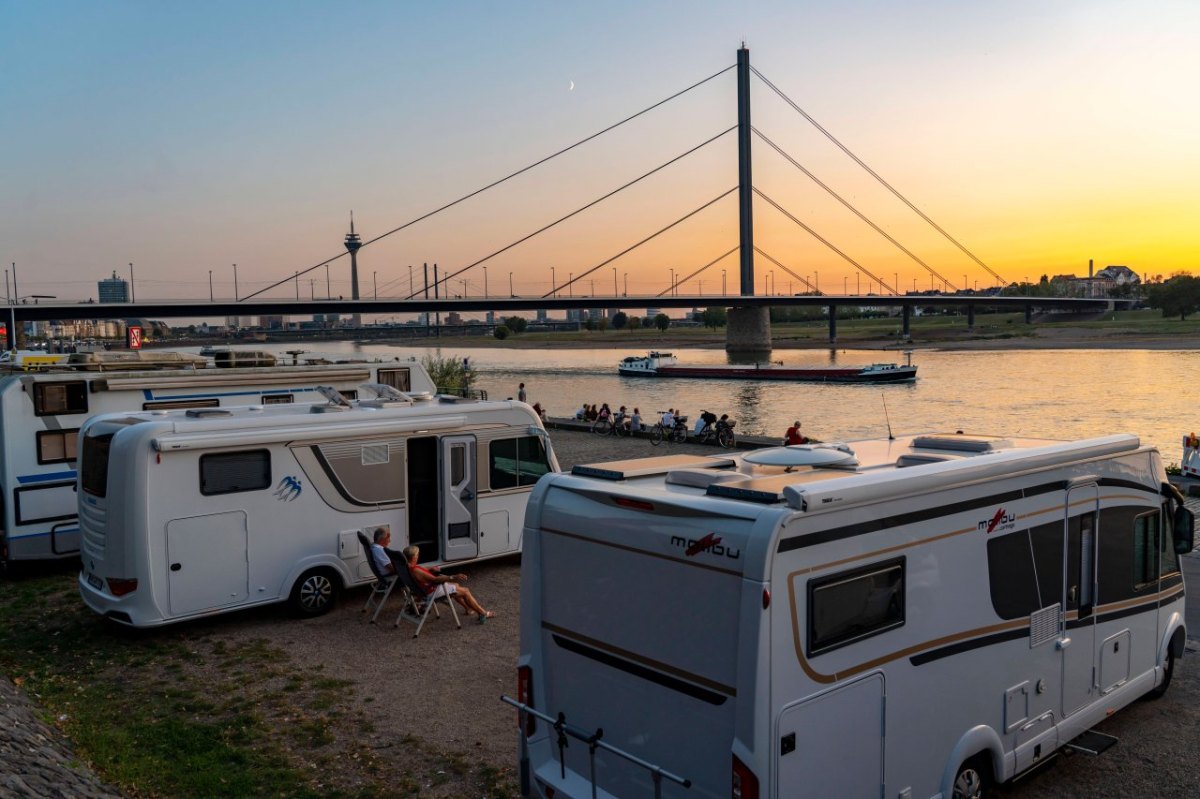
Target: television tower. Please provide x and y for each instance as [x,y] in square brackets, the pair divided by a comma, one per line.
[353,243]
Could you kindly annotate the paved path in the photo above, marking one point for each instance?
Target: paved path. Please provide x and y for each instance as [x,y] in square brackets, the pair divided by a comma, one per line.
[34,759]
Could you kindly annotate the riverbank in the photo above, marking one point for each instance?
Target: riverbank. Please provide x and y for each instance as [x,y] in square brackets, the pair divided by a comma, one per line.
[1128,330]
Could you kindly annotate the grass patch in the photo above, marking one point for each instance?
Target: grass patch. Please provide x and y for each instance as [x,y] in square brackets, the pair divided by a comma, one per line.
[181,711]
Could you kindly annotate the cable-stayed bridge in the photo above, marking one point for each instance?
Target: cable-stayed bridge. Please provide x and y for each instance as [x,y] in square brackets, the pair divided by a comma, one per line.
[749,327]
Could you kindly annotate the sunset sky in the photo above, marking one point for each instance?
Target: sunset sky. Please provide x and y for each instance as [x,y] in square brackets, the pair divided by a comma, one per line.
[185,137]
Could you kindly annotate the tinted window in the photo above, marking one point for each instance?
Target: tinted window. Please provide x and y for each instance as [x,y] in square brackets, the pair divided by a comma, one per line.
[1011,576]
[57,446]
[277,399]
[230,472]
[1145,550]
[1168,560]
[167,405]
[50,399]
[517,461]
[94,464]
[853,605]
[1115,569]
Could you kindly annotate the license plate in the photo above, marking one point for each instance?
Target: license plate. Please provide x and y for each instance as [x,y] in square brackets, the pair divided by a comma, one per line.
[95,582]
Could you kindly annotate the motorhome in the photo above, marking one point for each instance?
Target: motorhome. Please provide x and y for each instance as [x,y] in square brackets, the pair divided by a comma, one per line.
[41,414]
[917,617]
[203,511]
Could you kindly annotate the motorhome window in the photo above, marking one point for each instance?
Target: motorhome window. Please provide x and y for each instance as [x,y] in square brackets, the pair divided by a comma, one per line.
[57,446]
[852,605]
[1168,561]
[170,405]
[1011,576]
[50,399]
[93,466]
[458,466]
[1145,550]
[349,394]
[278,399]
[1046,541]
[1118,555]
[231,472]
[399,379]
[517,461]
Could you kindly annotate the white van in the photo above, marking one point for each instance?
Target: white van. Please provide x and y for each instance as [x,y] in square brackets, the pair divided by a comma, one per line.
[918,617]
[191,513]
[41,414]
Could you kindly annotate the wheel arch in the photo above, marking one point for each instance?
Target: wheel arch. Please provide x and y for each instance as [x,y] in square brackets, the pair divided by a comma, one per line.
[1174,637]
[979,740]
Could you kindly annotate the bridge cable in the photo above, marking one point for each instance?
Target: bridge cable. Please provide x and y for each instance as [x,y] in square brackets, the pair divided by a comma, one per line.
[852,209]
[827,243]
[504,179]
[713,262]
[583,208]
[803,280]
[875,174]
[555,289]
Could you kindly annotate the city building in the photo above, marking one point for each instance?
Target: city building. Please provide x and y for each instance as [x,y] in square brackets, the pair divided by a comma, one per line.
[271,322]
[114,289]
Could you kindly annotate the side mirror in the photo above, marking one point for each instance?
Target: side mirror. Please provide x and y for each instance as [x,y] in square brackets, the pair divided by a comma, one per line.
[1185,531]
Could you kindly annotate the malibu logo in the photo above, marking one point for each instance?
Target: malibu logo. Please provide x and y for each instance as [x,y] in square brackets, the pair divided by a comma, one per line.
[709,543]
[1003,520]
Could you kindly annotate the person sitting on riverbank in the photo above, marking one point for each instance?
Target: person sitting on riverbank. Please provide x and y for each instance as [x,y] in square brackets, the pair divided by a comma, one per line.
[437,585]
[793,435]
[539,410]
[668,419]
[635,421]
[581,412]
[591,414]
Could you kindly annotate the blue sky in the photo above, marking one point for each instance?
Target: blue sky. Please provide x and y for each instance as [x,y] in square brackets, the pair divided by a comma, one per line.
[185,137]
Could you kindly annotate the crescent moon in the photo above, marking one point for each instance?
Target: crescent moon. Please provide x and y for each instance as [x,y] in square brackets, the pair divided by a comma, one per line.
[572,87]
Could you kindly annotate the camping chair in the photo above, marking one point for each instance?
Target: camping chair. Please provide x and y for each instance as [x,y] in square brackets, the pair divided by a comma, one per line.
[417,603]
[384,583]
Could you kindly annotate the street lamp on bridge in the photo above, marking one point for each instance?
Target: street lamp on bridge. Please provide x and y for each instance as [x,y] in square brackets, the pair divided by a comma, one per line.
[510,288]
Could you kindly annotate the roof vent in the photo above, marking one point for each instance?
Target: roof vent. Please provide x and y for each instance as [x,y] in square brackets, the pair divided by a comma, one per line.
[206,413]
[960,443]
[701,478]
[828,456]
[921,459]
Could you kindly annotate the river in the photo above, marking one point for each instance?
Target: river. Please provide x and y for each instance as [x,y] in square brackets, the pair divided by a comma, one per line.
[1050,393]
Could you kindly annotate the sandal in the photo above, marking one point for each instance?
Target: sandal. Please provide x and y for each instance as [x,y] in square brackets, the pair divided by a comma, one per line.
[485,616]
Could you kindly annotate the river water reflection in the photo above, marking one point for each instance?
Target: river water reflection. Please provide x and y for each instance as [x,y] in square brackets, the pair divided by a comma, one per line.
[1051,393]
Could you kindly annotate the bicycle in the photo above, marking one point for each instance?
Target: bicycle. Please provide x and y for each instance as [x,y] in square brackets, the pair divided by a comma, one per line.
[614,425]
[677,433]
[602,426]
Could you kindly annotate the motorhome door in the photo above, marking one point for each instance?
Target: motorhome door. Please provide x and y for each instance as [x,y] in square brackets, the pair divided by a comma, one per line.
[1079,595]
[460,527]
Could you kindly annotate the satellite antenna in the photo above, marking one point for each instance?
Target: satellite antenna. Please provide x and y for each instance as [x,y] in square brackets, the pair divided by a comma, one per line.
[334,396]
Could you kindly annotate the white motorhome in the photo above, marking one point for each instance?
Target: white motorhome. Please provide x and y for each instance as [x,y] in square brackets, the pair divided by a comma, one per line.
[191,513]
[916,617]
[41,414]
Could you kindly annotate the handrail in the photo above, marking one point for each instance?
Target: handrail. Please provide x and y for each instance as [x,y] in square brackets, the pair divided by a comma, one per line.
[594,742]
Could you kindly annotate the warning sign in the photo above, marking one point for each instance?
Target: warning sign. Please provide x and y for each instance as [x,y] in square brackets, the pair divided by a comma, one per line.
[133,337]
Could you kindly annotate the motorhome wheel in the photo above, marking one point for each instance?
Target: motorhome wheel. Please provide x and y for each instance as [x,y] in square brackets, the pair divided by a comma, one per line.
[316,592]
[972,781]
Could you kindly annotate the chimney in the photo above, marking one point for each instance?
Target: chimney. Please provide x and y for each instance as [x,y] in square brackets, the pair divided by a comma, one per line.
[1090,274]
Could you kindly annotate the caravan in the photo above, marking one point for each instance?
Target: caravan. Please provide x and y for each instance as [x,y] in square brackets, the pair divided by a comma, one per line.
[41,414]
[918,617]
[191,513]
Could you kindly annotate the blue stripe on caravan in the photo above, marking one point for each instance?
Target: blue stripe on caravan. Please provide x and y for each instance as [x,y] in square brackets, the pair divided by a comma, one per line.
[14,537]
[45,478]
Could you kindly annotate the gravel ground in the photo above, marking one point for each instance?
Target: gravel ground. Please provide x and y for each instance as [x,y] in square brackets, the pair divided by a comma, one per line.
[444,687]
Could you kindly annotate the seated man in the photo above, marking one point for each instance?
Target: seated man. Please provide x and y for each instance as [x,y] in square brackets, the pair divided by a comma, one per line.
[438,585]
[386,560]
[793,435]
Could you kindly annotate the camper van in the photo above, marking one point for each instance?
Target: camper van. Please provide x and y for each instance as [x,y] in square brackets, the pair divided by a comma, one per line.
[196,512]
[41,414]
[918,617]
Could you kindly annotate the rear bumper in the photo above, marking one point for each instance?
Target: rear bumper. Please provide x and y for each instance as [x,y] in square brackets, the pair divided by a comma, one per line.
[119,609]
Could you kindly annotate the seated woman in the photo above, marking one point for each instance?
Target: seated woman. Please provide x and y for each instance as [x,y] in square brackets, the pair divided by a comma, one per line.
[439,585]
[539,410]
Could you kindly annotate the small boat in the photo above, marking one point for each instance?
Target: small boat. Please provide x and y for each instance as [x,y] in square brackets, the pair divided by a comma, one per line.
[664,364]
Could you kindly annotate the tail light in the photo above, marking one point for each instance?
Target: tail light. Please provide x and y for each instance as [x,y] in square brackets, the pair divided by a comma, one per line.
[120,587]
[525,697]
[745,784]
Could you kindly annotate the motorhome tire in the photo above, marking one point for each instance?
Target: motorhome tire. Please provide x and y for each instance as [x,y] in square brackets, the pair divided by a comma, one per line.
[973,780]
[316,592]
[1160,690]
